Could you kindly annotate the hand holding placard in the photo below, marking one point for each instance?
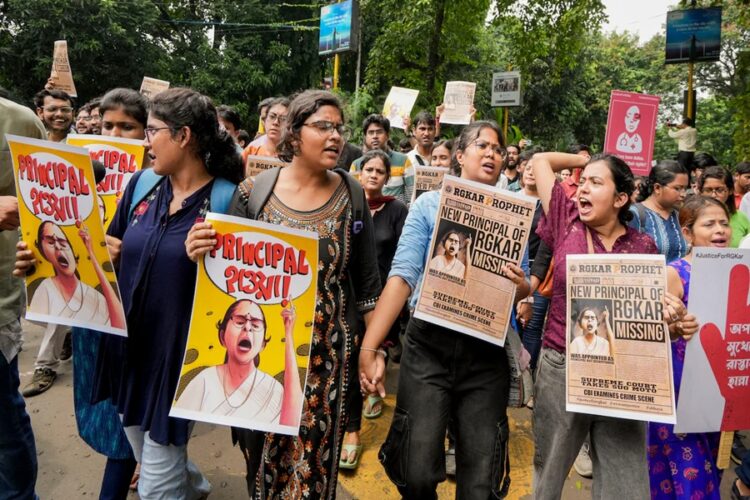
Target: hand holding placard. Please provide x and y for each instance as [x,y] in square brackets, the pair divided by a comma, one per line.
[722,351]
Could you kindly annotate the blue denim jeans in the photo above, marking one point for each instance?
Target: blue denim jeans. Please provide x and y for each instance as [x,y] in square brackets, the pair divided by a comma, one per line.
[18,465]
[448,375]
[531,334]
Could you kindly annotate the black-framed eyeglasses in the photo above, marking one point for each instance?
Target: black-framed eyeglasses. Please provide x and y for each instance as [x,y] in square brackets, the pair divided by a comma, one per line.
[256,324]
[326,127]
[151,131]
[483,145]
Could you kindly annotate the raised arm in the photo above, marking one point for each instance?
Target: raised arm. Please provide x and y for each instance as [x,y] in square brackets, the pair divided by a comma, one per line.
[114,306]
[291,405]
[545,165]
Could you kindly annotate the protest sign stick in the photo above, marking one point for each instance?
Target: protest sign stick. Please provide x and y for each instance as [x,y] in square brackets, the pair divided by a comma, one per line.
[725,450]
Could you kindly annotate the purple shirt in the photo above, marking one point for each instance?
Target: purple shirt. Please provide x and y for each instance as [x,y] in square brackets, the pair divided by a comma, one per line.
[562,230]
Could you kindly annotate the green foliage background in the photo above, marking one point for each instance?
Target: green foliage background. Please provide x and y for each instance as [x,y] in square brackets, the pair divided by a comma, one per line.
[241,52]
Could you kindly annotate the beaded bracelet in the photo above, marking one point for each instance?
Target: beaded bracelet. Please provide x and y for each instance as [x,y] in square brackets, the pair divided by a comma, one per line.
[376,351]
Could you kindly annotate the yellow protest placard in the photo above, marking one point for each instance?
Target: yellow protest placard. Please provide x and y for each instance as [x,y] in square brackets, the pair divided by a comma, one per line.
[251,327]
[74,281]
[121,157]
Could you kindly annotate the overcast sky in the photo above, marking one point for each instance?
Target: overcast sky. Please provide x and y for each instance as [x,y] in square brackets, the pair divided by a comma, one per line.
[644,17]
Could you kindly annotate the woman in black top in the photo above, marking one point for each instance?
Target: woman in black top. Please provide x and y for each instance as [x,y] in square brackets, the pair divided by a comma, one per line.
[388,215]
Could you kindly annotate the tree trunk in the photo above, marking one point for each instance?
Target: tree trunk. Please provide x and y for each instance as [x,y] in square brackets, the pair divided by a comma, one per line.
[433,52]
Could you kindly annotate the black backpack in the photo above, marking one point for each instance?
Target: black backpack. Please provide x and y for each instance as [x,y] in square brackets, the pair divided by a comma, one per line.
[265,181]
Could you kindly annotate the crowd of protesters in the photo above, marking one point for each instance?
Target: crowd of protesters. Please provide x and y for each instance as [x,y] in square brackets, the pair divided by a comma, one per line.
[449,384]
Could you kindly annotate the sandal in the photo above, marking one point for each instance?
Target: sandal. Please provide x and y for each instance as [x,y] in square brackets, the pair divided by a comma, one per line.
[349,449]
[372,400]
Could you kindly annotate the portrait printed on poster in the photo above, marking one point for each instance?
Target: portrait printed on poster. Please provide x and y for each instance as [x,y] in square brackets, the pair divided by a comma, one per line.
[73,282]
[452,255]
[250,328]
[591,328]
[239,387]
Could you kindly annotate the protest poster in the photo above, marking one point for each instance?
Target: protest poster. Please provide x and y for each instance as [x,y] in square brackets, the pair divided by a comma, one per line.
[73,282]
[152,86]
[619,358]
[458,101]
[256,164]
[62,75]
[479,229]
[717,358]
[250,328]
[506,89]
[427,179]
[121,158]
[398,105]
[631,129]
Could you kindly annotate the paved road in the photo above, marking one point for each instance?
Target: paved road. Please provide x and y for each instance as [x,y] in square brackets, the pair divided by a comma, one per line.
[69,469]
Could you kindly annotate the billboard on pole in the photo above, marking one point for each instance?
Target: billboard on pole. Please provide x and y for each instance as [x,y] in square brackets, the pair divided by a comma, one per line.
[338,28]
[693,35]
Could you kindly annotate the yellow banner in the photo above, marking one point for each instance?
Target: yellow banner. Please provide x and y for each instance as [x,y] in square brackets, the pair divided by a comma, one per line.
[251,327]
[121,157]
[74,281]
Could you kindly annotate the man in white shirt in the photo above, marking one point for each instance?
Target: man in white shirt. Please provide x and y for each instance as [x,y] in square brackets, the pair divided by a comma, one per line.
[686,137]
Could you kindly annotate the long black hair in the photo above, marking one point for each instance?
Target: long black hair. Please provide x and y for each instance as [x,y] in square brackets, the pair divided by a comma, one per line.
[131,102]
[723,175]
[623,179]
[183,107]
[663,173]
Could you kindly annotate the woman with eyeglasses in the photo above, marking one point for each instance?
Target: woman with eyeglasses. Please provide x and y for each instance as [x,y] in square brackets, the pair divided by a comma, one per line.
[124,114]
[717,183]
[660,197]
[157,281]
[309,195]
[444,375]
[273,124]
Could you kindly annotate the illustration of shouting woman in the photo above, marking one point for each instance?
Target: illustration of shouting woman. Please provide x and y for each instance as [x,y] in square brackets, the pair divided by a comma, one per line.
[238,388]
[64,294]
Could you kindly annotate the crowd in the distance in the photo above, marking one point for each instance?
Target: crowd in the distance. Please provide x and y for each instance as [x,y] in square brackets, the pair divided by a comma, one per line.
[371,267]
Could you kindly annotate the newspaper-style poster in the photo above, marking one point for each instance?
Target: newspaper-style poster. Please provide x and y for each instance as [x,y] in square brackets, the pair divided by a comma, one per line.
[152,86]
[62,75]
[506,89]
[251,327]
[121,157]
[73,282]
[398,105]
[427,179]
[458,100]
[256,164]
[631,129]
[479,229]
[619,358]
[715,387]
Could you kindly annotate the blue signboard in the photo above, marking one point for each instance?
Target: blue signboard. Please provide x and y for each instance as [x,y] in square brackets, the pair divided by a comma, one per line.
[693,35]
[338,28]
